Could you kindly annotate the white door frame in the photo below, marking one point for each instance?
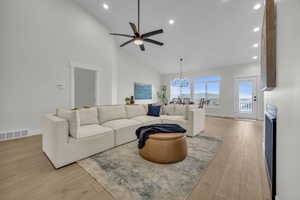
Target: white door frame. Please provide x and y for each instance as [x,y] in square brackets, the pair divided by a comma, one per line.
[74,65]
[254,114]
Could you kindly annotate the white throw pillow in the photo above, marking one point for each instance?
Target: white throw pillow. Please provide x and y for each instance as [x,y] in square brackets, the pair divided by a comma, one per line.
[135,110]
[88,116]
[73,120]
[111,112]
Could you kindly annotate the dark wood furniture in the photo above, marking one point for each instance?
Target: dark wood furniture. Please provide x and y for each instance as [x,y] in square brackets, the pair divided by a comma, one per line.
[268,47]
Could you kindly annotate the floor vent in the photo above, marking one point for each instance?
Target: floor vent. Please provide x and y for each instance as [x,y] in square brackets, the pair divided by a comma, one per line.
[9,135]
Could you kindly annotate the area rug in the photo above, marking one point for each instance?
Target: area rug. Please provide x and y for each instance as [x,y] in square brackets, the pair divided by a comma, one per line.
[127,176]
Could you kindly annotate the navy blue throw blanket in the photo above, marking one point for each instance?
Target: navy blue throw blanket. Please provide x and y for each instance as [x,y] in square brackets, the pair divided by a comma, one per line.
[143,132]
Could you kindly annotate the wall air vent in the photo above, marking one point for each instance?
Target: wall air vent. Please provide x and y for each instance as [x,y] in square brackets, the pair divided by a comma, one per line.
[9,135]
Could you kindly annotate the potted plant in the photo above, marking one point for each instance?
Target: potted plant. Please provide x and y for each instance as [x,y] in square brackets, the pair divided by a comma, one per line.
[162,94]
[127,100]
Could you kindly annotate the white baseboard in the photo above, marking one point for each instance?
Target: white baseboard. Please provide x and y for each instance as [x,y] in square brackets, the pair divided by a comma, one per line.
[217,115]
[229,116]
[35,132]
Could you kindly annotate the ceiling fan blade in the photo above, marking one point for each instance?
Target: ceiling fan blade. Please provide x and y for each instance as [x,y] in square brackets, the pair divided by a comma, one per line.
[142,47]
[153,42]
[124,35]
[125,43]
[152,33]
[133,27]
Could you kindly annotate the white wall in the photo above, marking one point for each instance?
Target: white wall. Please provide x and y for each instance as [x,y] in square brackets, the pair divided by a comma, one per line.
[38,40]
[131,70]
[286,96]
[228,74]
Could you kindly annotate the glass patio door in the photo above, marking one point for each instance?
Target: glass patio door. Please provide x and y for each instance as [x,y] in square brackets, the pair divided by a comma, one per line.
[246,98]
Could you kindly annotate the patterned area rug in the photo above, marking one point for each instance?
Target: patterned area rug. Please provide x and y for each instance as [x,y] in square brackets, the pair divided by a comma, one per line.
[127,176]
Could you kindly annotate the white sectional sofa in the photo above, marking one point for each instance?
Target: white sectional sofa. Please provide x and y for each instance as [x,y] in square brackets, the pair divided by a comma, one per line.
[71,135]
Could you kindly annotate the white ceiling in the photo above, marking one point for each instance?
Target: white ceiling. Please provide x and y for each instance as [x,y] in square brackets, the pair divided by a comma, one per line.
[206,33]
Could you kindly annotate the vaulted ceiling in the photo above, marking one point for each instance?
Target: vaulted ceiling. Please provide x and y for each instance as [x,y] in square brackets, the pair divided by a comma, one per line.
[206,33]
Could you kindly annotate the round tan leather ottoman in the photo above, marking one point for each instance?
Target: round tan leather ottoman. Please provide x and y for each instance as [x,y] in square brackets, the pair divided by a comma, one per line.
[165,148]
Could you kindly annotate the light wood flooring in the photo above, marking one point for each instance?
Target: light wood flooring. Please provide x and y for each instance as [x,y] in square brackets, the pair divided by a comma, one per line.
[237,172]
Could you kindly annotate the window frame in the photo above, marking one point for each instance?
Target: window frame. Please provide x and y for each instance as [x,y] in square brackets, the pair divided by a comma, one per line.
[206,94]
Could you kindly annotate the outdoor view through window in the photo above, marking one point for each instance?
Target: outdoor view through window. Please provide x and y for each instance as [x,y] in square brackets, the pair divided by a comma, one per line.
[245,96]
[203,87]
[208,88]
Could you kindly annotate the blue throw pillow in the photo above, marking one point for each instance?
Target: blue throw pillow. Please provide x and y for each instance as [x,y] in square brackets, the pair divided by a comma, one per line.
[153,110]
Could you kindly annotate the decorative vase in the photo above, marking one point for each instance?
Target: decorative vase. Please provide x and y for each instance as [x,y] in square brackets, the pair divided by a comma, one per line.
[131,100]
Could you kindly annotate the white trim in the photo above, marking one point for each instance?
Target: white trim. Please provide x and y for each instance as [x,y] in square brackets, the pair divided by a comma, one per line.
[74,65]
[245,77]
[72,87]
[277,197]
[219,115]
[34,132]
[85,66]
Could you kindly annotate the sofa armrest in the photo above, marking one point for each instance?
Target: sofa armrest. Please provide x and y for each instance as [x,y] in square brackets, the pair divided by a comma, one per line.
[55,134]
[196,121]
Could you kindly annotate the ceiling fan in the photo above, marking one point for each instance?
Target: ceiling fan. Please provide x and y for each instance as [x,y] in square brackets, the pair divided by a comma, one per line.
[139,38]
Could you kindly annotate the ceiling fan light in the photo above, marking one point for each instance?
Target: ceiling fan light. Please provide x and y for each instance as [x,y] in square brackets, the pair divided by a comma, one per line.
[138,41]
[105,6]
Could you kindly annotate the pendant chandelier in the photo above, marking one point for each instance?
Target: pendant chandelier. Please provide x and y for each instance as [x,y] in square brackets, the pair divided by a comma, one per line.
[181,82]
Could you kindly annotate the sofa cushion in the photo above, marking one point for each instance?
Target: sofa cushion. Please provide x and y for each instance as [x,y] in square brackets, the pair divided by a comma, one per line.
[172,117]
[147,119]
[111,112]
[121,123]
[135,110]
[168,109]
[175,119]
[179,109]
[91,130]
[88,116]
[124,130]
[72,117]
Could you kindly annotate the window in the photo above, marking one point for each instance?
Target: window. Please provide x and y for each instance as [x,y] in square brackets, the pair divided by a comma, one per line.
[208,88]
[175,89]
[203,87]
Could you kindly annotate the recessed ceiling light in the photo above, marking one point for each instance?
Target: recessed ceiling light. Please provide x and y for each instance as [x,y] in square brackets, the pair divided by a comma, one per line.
[256,29]
[255,45]
[105,6]
[257,6]
[171,21]
[254,57]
